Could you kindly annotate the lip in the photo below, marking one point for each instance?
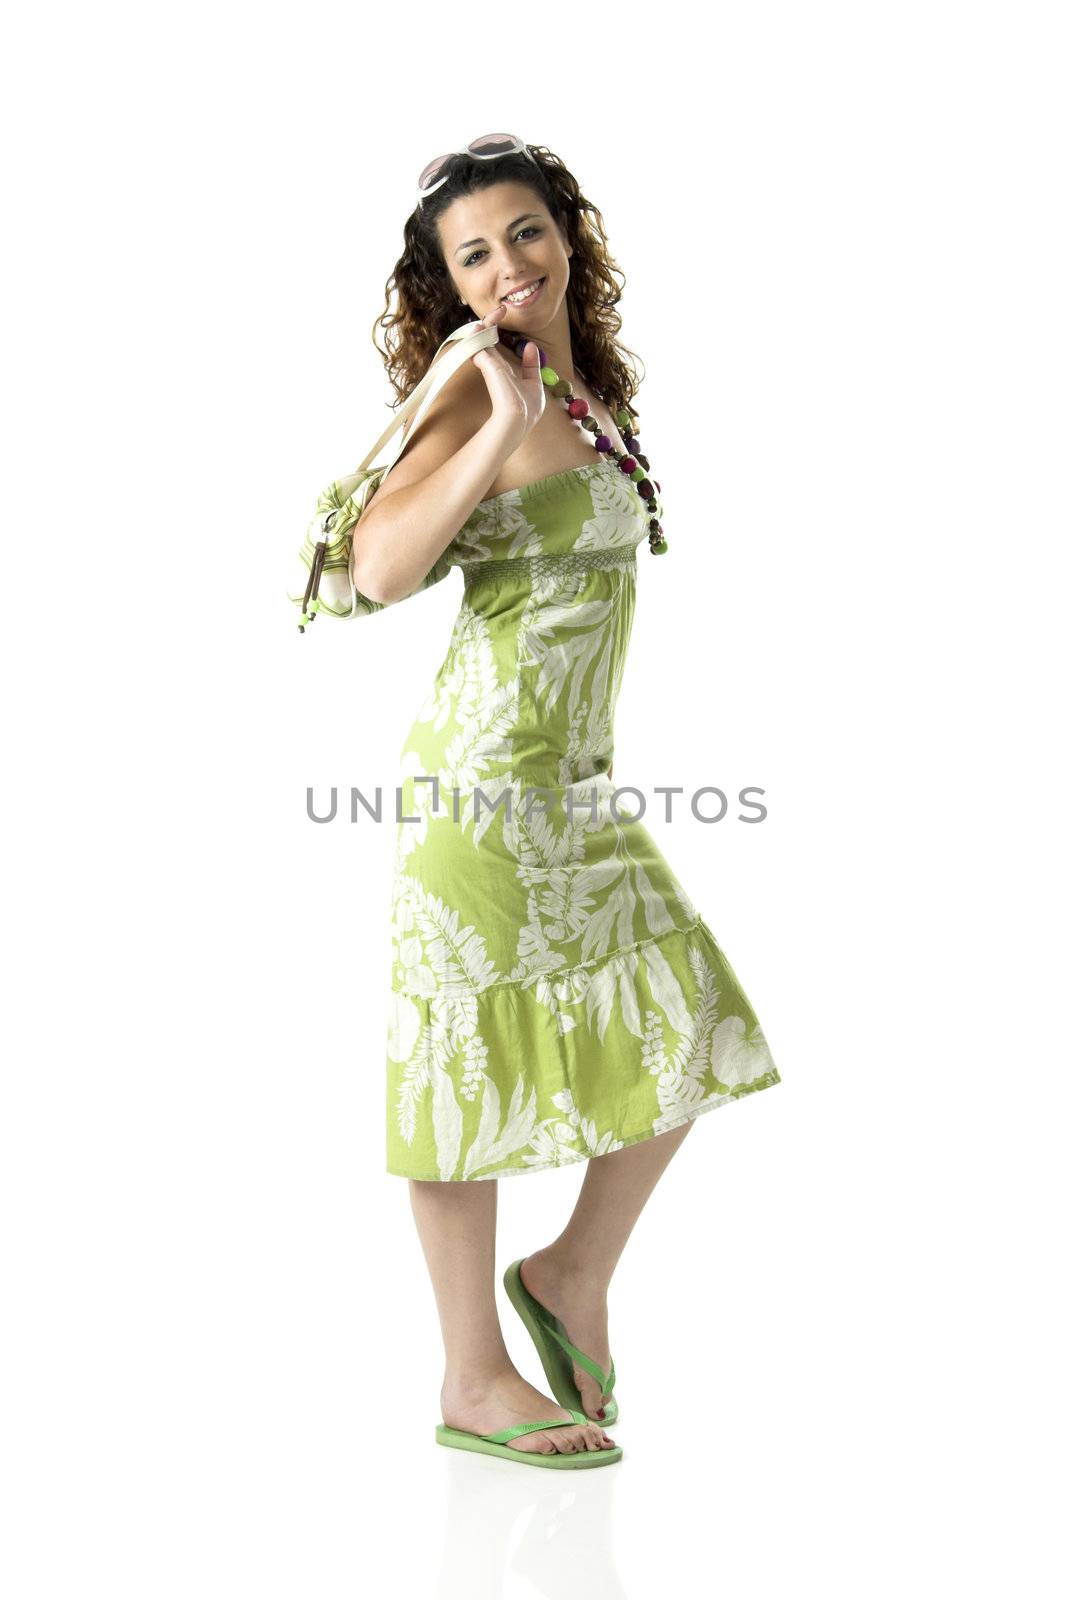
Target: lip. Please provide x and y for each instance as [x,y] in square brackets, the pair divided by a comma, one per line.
[536,296]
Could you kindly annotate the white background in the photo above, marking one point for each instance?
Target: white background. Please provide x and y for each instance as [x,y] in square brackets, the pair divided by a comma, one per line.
[838,1344]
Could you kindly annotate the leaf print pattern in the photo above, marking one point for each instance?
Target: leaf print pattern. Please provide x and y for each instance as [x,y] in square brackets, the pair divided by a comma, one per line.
[467,680]
[453,957]
[554,1142]
[562,639]
[609,527]
[494,1144]
[556,996]
[498,531]
[733,1053]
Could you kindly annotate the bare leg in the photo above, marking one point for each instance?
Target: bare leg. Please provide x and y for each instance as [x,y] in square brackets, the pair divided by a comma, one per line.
[571,1276]
[483,1391]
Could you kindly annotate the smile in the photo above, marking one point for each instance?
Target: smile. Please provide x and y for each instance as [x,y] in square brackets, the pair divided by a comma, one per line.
[522,297]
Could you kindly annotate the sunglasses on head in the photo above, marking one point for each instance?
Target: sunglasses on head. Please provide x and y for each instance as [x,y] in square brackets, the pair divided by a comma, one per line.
[485,148]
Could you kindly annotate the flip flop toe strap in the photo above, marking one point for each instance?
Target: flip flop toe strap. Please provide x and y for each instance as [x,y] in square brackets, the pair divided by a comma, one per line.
[593,1368]
[506,1434]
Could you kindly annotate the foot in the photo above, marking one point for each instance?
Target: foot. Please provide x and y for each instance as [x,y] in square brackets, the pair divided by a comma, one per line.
[581,1307]
[505,1400]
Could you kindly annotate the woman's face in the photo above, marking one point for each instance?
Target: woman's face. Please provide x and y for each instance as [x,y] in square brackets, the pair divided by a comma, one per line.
[499,239]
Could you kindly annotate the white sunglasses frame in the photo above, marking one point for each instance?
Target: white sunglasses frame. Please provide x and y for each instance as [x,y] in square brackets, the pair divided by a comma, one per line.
[479,155]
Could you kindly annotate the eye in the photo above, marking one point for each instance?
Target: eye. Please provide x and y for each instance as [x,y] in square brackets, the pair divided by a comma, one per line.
[533,229]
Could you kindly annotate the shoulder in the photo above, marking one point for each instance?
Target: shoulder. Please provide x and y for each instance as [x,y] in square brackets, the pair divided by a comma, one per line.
[456,414]
[457,399]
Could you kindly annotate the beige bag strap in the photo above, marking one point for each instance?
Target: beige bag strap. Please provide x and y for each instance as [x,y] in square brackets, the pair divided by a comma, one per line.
[465,341]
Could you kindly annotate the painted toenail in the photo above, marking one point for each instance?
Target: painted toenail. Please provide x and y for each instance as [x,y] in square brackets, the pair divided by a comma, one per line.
[601,1412]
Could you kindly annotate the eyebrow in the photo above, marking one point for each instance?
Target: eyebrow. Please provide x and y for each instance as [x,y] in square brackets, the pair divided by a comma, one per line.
[523,218]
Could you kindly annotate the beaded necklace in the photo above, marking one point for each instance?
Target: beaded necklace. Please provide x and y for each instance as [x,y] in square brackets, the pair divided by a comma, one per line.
[634,465]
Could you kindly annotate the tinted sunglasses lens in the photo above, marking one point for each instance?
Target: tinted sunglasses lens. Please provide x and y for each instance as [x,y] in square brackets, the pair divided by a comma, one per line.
[433,171]
[493,144]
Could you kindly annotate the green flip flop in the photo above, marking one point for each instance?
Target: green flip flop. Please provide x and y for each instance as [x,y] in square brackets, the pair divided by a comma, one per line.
[553,1348]
[495,1444]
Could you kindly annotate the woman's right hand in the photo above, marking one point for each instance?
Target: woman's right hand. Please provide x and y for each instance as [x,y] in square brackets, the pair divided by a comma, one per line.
[518,397]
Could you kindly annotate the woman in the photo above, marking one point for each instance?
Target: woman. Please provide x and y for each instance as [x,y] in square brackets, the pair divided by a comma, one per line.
[557,997]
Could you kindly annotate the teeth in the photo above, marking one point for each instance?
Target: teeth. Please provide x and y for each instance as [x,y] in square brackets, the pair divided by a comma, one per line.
[516,299]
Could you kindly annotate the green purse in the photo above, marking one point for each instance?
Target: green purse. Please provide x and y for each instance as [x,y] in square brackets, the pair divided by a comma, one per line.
[324,580]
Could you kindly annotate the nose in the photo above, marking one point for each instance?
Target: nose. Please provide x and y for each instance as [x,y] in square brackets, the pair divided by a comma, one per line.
[513,275]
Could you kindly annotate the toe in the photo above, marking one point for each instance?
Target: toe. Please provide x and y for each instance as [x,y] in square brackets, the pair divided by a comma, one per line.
[535,1442]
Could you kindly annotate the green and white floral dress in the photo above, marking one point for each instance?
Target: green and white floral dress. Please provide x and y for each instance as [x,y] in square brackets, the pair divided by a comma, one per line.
[556,995]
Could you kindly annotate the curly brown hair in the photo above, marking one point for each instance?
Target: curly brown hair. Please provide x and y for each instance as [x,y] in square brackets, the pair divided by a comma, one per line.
[428,307]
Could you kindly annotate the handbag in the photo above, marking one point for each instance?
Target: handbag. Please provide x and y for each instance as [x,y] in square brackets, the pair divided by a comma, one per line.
[324,581]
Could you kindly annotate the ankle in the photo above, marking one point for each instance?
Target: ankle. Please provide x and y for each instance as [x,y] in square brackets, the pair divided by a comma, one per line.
[470,1378]
[560,1262]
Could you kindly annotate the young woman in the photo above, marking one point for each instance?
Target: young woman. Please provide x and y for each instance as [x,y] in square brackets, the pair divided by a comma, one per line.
[556,996]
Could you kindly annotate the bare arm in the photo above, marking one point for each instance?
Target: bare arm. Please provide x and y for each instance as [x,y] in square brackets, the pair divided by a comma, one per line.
[479,419]
[397,542]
